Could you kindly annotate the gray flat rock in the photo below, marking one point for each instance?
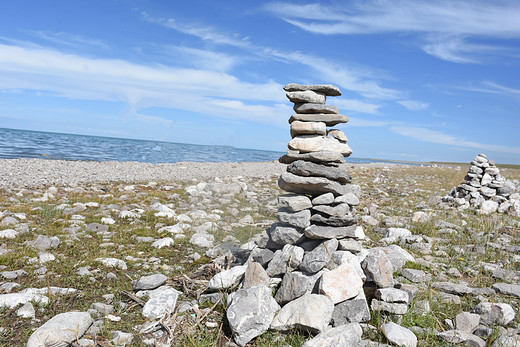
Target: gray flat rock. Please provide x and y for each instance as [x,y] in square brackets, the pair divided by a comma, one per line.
[328,118]
[315,108]
[150,282]
[308,128]
[346,220]
[294,202]
[327,157]
[300,219]
[507,289]
[354,310]
[315,260]
[162,301]
[311,185]
[318,143]
[294,285]
[328,232]
[285,260]
[305,168]
[306,96]
[285,235]
[327,89]
[494,313]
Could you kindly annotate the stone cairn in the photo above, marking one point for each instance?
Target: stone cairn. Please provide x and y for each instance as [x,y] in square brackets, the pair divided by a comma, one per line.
[313,257]
[484,188]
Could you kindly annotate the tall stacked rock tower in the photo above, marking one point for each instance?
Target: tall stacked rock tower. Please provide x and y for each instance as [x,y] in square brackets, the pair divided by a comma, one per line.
[313,256]
[325,197]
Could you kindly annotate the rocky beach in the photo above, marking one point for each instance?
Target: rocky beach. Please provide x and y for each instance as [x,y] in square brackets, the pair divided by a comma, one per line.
[125,256]
[306,251]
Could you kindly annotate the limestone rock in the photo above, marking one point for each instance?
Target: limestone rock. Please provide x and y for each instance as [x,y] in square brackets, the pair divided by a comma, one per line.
[307,128]
[294,202]
[494,313]
[315,260]
[150,282]
[341,284]
[458,336]
[285,235]
[379,268]
[327,232]
[294,285]
[348,335]
[334,211]
[306,96]
[312,185]
[327,157]
[327,118]
[61,330]
[323,199]
[285,260]
[507,289]
[306,169]
[255,275]
[467,322]
[399,335]
[300,219]
[310,312]
[338,135]
[162,300]
[227,279]
[250,313]
[354,310]
[318,143]
[315,108]
[389,307]
[326,89]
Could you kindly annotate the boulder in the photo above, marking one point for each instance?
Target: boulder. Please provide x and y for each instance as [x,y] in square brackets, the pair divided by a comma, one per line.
[250,313]
[310,312]
[61,330]
[341,284]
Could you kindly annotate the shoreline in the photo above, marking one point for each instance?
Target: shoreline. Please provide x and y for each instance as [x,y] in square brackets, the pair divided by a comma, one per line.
[48,172]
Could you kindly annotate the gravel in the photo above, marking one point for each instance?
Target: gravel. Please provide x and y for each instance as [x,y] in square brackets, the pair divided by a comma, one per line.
[43,172]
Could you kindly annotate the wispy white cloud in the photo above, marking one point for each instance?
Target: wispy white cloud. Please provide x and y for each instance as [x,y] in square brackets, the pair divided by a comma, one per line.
[67,39]
[204,91]
[432,136]
[414,105]
[434,20]
[354,79]
[493,88]
[200,58]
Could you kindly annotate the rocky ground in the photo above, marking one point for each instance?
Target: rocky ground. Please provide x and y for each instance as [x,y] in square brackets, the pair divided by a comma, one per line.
[122,253]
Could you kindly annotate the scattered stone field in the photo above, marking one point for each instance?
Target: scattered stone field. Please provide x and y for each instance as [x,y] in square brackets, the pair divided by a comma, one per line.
[127,263]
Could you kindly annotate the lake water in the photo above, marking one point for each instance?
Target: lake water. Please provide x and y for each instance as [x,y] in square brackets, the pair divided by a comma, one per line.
[37,144]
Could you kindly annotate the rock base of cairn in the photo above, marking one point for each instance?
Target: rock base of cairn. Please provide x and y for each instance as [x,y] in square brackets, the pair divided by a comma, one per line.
[486,189]
[324,281]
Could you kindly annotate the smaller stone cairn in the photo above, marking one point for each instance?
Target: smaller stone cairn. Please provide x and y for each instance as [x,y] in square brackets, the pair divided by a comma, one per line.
[313,257]
[485,189]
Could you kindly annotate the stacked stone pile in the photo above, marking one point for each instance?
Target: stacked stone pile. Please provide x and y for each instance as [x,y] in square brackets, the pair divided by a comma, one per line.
[313,257]
[485,189]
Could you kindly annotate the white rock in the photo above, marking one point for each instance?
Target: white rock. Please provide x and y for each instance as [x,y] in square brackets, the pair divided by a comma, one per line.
[311,312]
[26,311]
[113,262]
[348,335]
[399,335]
[488,207]
[8,234]
[227,279]
[46,257]
[164,242]
[107,220]
[61,330]
[162,300]
[12,300]
[341,284]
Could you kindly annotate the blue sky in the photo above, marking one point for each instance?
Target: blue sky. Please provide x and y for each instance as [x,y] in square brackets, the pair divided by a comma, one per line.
[421,80]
